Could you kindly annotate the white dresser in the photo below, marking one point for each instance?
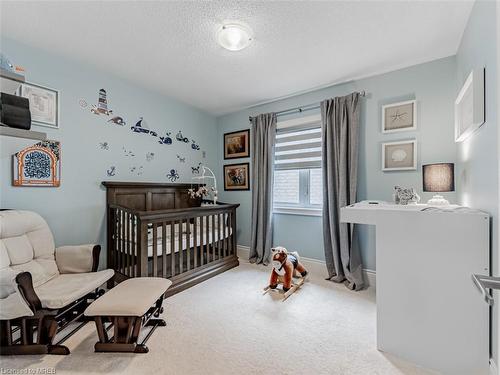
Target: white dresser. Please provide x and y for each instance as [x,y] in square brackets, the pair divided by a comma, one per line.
[428,309]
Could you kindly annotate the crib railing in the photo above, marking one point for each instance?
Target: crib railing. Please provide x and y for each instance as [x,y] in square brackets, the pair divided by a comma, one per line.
[171,243]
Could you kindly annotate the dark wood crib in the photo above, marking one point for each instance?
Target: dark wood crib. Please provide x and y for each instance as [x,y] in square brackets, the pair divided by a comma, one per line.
[157,230]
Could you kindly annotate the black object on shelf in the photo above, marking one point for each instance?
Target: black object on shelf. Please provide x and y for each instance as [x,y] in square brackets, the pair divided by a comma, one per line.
[15,111]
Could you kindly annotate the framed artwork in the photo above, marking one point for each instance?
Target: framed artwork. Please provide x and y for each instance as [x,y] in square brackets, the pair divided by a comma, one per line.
[236,176]
[469,106]
[399,156]
[398,117]
[237,144]
[44,104]
[38,165]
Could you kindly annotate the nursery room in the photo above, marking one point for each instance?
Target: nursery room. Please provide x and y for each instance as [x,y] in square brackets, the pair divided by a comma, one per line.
[254,187]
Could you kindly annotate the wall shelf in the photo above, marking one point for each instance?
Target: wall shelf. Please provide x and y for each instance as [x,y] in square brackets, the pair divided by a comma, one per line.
[21,133]
[9,81]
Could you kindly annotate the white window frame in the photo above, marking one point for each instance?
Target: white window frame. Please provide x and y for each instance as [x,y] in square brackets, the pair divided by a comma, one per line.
[303,207]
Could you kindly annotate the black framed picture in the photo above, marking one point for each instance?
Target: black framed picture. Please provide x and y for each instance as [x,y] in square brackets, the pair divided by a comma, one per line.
[237,144]
[237,176]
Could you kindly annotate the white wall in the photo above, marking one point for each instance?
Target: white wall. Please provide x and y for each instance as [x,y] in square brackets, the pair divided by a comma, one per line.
[76,211]
[432,84]
[478,164]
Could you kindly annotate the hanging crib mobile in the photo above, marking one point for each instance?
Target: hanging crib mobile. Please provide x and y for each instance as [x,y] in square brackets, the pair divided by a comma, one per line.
[202,191]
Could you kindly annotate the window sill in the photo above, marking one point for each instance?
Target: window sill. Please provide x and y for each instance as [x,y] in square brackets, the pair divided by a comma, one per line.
[302,211]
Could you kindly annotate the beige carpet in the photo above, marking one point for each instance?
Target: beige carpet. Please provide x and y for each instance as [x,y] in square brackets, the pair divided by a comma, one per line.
[226,326]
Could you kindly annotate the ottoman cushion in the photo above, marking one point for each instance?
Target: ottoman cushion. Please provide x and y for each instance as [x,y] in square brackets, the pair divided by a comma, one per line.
[132,297]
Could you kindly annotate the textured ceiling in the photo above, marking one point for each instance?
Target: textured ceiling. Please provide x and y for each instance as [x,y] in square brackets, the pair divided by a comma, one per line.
[170,47]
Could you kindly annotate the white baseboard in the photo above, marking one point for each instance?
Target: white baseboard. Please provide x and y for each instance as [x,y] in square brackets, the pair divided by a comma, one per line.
[493,367]
[314,266]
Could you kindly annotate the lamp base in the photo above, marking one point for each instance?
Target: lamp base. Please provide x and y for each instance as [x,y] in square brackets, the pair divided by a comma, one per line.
[438,200]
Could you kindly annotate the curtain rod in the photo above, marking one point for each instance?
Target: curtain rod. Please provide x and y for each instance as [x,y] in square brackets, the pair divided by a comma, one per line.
[304,108]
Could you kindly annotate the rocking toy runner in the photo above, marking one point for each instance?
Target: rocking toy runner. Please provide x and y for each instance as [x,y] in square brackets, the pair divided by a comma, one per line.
[286,270]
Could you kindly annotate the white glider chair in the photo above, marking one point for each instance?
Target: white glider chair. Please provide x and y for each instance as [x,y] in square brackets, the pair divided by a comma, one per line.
[42,288]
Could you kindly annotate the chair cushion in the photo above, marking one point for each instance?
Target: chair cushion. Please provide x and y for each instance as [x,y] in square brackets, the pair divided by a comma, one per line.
[132,297]
[27,242]
[66,288]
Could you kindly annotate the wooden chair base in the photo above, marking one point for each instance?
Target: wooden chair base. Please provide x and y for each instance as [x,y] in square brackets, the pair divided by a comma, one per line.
[127,330]
[36,334]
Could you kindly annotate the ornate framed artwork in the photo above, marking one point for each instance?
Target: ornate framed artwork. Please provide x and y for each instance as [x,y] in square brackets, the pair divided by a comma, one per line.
[237,144]
[469,106]
[237,176]
[399,156]
[398,117]
[38,165]
[44,104]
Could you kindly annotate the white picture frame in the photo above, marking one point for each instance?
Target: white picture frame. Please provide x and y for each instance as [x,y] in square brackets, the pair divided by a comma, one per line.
[399,155]
[44,104]
[469,106]
[403,121]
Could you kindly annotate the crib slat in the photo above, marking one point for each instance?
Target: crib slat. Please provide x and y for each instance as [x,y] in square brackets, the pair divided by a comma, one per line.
[202,233]
[207,241]
[230,234]
[195,242]
[188,244]
[155,250]
[226,235]
[213,237]
[172,248]
[219,237]
[133,252]
[181,250]
[164,250]
[127,244]
[122,243]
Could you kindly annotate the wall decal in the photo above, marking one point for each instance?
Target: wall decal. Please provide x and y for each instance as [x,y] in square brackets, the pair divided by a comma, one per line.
[117,120]
[165,140]
[141,126]
[181,138]
[203,154]
[111,171]
[150,156]
[196,170]
[104,145]
[38,165]
[194,146]
[102,105]
[182,160]
[136,170]
[83,103]
[128,152]
[173,175]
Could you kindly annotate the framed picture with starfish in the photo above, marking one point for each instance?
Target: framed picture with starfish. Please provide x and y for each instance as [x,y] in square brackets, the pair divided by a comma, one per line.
[398,117]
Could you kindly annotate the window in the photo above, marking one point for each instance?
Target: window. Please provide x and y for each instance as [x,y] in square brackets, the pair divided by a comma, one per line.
[298,186]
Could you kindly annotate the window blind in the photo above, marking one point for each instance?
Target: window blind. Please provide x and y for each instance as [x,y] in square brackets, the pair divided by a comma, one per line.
[298,148]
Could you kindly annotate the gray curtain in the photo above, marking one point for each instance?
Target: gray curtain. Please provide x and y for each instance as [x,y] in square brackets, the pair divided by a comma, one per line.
[340,128]
[263,139]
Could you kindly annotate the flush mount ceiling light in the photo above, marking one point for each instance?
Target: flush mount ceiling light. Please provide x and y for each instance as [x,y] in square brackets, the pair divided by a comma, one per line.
[234,37]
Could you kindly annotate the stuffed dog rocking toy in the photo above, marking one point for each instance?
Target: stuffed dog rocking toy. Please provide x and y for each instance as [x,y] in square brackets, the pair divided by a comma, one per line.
[286,266]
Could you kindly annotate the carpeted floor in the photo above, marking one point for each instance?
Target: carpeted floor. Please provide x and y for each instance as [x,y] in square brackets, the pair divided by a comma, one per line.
[226,326]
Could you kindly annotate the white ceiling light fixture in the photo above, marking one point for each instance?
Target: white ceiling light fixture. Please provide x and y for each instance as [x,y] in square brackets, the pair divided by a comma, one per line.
[234,36]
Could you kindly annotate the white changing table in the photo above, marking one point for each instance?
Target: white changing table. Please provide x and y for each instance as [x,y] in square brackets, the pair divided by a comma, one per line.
[428,309]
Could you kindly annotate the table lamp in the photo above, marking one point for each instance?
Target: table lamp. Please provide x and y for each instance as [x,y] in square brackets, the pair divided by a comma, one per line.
[439,178]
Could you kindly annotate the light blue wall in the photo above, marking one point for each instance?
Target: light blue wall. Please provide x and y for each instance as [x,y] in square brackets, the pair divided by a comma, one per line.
[478,156]
[76,210]
[432,84]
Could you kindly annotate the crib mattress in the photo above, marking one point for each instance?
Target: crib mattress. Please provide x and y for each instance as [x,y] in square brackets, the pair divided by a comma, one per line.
[185,243]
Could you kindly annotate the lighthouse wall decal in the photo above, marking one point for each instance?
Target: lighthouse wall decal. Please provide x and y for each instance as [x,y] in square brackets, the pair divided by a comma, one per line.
[102,104]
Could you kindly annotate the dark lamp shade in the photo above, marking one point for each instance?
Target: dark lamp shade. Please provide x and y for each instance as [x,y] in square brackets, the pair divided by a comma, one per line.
[439,177]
